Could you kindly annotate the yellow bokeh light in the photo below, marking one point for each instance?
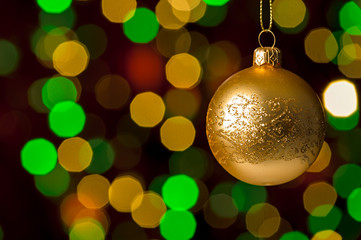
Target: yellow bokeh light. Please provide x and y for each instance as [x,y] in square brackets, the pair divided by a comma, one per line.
[321,45]
[191,15]
[147,109]
[70,58]
[182,102]
[118,11]
[171,42]
[148,209]
[327,235]
[340,98]
[289,13]
[96,214]
[263,220]
[123,191]
[323,159]
[75,154]
[93,190]
[183,71]
[87,228]
[318,194]
[177,133]
[166,17]
[185,5]
[349,60]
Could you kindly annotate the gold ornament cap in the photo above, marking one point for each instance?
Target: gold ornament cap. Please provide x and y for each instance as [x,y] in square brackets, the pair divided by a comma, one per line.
[267,55]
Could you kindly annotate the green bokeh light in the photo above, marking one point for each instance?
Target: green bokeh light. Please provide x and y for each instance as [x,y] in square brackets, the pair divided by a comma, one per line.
[54,183]
[346,179]
[247,236]
[67,119]
[49,21]
[216,2]
[85,229]
[180,192]
[192,162]
[157,183]
[296,235]
[246,195]
[178,225]
[354,204]
[9,57]
[348,145]
[350,18]
[103,156]
[94,38]
[54,6]
[58,89]
[213,16]
[330,221]
[142,27]
[223,205]
[39,156]
[344,123]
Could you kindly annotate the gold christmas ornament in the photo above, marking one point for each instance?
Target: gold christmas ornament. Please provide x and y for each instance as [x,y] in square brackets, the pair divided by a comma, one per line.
[265,125]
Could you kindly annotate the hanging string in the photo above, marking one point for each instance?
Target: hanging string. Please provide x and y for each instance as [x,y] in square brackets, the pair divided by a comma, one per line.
[261,15]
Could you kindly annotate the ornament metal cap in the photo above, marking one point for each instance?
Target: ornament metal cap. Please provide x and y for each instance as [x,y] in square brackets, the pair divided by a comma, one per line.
[267,55]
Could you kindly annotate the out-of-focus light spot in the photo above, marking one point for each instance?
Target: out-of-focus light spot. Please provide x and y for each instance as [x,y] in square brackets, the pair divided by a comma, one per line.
[318,194]
[67,119]
[75,154]
[330,221]
[112,91]
[166,17]
[183,71]
[353,204]
[327,235]
[296,235]
[94,38]
[285,227]
[39,156]
[348,146]
[9,57]
[49,21]
[97,214]
[171,42]
[340,98]
[178,225]
[346,179]
[186,5]
[263,220]
[349,60]
[128,151]
[129,230]
[54,183]
[54,6]
[142,27]
[192,162]
[148,209]
[199,46]
[213,16]
[321,45]
[93,190]
[58,89]
[147,109]
[123,191]
[158,182]
[70,207]
[118,11]
[223,206]
[177,133]
[290,13]
[71,58]
[182,102]
[216,2]
[144,69]
[180,192]
[103,156]
[323,159]
[246,195]
[193,15]
[35,99]
[202,197]
[350,17]
[87,229]
[343,123]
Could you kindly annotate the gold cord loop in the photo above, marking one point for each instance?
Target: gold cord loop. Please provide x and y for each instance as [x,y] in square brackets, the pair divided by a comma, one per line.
[265,31]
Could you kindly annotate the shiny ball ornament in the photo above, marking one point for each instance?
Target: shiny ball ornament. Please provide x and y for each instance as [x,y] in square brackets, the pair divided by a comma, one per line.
[265,125]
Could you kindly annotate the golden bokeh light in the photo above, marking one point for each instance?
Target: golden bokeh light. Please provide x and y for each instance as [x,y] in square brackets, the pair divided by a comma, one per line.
[123,191]
[171,42]
[349,60]
[118,11]
[166,17]
[318,194]
[86,228]
[148,209]
[112,91]
[69,209]
[191,15]
[185,5]
[327,235]
[182,102]
[75,154]
[289,13]
[340,98]
[96,214]
[323,159]
[263,220]
[321,45]
[177,133]
[93,190]
[70,58]
[147,109]
[183,71]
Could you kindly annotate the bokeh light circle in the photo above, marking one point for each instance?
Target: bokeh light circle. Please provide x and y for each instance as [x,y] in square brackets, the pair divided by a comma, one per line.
[289,13]
[118,11]
[58,89]
[178,225]
[54,6]
[93,190]
[353,204]
[9,57]
[321,45]
[54,183]
[318,194]
[87,229]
